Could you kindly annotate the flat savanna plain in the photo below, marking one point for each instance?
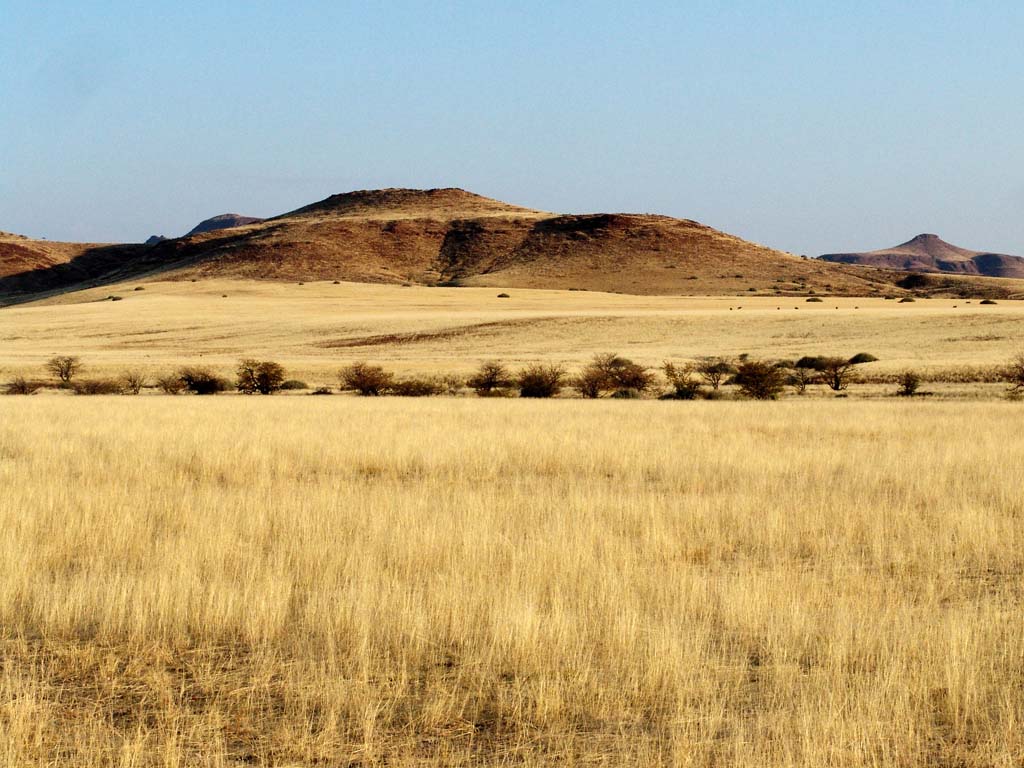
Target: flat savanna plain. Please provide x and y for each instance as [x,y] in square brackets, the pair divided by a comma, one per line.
[336,581]
[314,329]
[457,581]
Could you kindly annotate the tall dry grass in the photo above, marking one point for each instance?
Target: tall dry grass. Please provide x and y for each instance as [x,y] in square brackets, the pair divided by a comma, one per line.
[340,582]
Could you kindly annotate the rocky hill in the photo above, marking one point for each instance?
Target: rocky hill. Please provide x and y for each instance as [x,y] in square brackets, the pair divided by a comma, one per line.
[929,253]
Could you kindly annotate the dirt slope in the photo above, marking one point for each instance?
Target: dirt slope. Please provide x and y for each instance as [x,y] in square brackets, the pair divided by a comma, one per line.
[929,253]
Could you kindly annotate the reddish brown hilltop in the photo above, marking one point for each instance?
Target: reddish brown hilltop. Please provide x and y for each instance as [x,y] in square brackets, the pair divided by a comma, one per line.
[451,237]
[223,221]
[930,253]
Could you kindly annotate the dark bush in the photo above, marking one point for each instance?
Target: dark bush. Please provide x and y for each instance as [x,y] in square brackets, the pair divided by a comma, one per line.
[540,380]
[986,301]
[492,378]
[683,380]
[415,387]
[909,382]
[914,281]
[262,376]
[201,381]
[799,378]
[504,296]
[760,380]
[322,391]
[863,357]
[22,386]
[96,387]
[294,384]
[906,300]
[814,299]
[368,380]
[811,362]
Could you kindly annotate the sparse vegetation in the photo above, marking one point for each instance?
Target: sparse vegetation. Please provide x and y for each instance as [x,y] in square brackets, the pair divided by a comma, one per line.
[1014,375]
[910,382]
[97,387]
[20,385]
[608,372]
[170,384]
[416,387]
[133,381]
[713,370]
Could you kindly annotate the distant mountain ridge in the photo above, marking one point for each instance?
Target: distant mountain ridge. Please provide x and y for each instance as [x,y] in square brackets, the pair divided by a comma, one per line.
[930,253]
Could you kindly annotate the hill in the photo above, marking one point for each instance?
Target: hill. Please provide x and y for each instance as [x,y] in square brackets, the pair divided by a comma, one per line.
[929,253]
[223,221]
[454,237]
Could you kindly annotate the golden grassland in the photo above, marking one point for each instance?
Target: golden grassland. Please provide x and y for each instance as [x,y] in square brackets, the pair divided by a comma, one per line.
[337,581]
[315,328]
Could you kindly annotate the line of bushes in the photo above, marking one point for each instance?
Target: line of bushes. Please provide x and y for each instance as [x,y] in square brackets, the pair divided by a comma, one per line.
[606,375]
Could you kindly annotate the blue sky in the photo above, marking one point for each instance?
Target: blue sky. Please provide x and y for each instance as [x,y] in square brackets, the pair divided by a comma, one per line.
[807,126]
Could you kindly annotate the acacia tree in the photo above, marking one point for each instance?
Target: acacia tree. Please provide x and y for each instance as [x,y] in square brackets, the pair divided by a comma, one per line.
[368,380]
[760,380]
[64,367]
[683,380]
[263,376]
[492,378]
[132,382]
[713,370]
[836,373]
[609,372]
[540,380]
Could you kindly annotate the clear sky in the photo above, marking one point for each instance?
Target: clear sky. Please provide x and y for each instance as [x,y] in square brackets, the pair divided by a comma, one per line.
[809,126]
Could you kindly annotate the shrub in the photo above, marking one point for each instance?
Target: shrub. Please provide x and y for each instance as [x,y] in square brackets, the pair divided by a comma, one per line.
[863,357]
[201,381]
[22,386]
[368,380]
[263,376]
[713,370]
[294,384]
[491,379]
[683,380]
[504,296]
[415,387]
[132,382]
[799,378]
[171,384]
[64,367]
[1014,375]
[814,299]
[96,387]
[909,382]
[609,372]
[322,391]
[986,301]
[760,380]
[540,380]
[906,300]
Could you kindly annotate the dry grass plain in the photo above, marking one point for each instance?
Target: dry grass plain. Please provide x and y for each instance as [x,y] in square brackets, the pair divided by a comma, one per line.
[315,328]
[333,581]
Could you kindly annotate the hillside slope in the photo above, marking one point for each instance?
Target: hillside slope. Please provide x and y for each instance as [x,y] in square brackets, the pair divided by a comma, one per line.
[453,237]
[929,253]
